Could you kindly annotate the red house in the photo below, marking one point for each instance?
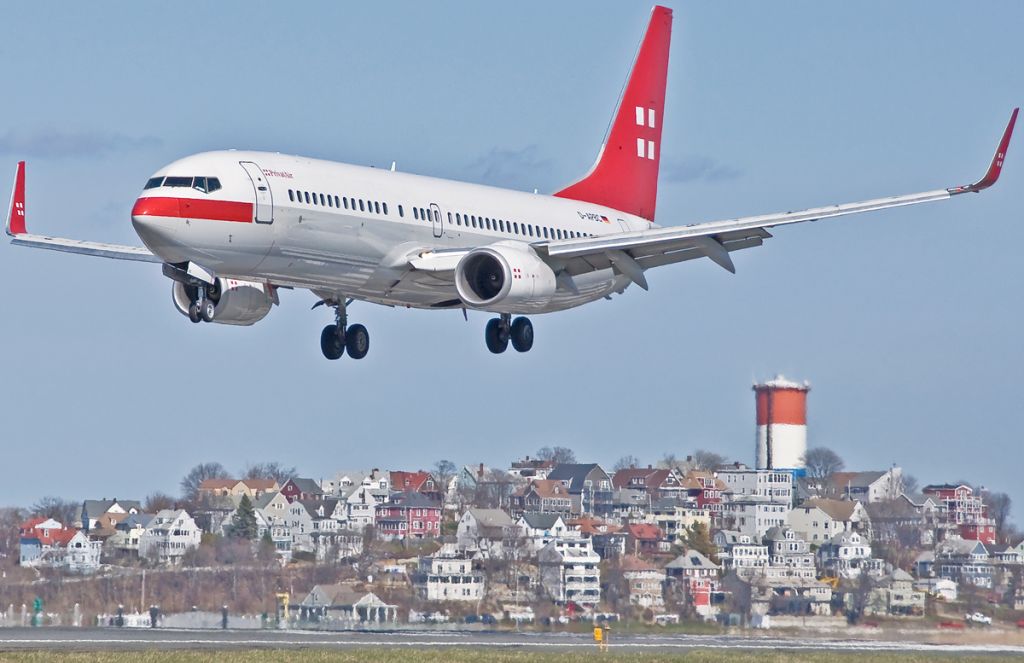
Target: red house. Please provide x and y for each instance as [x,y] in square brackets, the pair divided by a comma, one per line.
[653,481]
[301,489]
[409,515]
[643,539]
[706,489]
[965,510]
[420,482]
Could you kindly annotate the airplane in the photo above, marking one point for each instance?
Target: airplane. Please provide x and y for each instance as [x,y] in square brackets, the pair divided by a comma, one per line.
[233,228]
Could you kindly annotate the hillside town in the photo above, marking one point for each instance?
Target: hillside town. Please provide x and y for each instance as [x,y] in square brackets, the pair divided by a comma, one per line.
[550,539]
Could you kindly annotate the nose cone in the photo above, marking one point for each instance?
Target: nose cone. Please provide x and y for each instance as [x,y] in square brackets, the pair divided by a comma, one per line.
[157,224]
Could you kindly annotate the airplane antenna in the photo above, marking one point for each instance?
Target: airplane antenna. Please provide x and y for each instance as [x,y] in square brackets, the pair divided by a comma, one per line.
[393,166]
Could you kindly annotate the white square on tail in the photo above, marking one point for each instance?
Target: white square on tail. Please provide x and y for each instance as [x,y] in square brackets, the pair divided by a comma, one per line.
[650,149]
[639,116]
[640,147]
[650,117]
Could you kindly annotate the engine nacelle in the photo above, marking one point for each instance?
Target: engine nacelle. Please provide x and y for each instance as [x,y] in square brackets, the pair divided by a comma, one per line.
[237,302]
[508,273]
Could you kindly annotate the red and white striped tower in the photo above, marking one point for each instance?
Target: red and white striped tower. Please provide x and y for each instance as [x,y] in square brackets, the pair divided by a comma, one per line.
[781,424]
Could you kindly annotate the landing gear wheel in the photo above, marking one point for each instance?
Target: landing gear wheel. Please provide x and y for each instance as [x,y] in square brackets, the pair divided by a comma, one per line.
[194,314]
[207,309]
[332,343]
[522,334]
[357,341]
[496,336]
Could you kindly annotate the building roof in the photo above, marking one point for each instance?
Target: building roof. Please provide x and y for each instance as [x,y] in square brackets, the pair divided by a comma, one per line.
[341,595]
[594,526]
[855,480]
[218,484]
[96,508]
[537,520]
[640,478]
[574,474]
[491,517]
[412,499]
[841,510]
[402,481]
[691,559]
[547,489]
[260,484]
[306,485]
[644,531]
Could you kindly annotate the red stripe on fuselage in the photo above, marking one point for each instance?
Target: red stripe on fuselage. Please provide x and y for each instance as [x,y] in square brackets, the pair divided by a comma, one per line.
[194,208]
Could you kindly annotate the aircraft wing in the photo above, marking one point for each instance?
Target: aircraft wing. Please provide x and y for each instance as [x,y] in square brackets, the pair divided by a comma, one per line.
[20,237]
[633,252]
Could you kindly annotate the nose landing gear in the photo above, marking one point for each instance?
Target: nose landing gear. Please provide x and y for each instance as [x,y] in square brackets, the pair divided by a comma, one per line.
[340,337]
[202,309]
[500,331]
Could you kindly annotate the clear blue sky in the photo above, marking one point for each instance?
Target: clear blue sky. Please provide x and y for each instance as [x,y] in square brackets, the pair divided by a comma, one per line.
[906,322]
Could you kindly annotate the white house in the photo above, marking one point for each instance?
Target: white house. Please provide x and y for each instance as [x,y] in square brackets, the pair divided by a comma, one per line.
[82,555]
[755,515]
[740,553]
[813,524]
[540,529]
[772,485]
[845,555]
[484,531]
[169,536]
[448,576]
[569,572]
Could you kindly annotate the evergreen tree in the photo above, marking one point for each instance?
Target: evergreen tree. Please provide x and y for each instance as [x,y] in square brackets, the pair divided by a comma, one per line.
[698,538]
[243,523]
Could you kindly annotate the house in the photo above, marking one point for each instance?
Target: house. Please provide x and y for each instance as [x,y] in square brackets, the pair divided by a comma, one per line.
[125,540]
[867,487]
[484,531]
[896,595]
[772,485]
[337,544]
[656,483]
[570,573]
[963,561]
[417,482]
[740,553]
[676,517]
[170,534]
[482,486]
[906,520]
[845,515]
[409,515]
[813,524]
[543,496]
[790,595]
[645,539]
[607,539]
[45,542]
[38,537]
[754,516]
[697,577]
[942,589]
[590,487]
[630,504]
[301,489]
[645,582]
[342,603]
[449,576]
[531,468]
[361,505]
[236,488]
[539,529]
[845,555]
[789,555]
[965,511]
[706,490]
[343,483]
[93,512]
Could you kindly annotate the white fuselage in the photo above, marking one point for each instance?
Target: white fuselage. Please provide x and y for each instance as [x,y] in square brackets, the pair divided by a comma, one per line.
[342,243]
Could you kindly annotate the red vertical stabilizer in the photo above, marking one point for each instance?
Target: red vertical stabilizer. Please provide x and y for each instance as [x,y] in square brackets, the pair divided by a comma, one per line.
[625,176]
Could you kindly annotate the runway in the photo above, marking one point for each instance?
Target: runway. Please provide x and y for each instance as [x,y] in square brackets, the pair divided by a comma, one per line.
[68,639]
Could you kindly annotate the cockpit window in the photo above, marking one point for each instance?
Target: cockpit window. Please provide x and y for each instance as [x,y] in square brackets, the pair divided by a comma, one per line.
[200,184]
[154,182]
[178,181]
[212,184]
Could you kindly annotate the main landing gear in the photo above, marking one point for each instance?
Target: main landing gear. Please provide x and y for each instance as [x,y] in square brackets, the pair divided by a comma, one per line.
[203,307]
[501,330]
[340,337]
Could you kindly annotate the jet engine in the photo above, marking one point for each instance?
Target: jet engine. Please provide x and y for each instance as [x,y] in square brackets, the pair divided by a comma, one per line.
[507,273]
[237,302]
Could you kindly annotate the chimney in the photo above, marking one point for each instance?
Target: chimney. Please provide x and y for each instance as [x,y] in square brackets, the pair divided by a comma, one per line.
[480,472]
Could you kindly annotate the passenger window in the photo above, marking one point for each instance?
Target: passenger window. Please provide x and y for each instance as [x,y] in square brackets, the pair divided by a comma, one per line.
[450,218]
[344,201]
[361,207]
[501,225]
[178,181]
[337,202]
[416,213]
[330,201]
[385,206]
[305,194]
[322,201]
[376,207]
[515,227]
[212,184]
[291,195]
[401,212]
[153,182]
[545,233]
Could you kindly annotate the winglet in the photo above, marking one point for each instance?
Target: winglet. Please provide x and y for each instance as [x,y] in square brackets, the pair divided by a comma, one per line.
[16,212]
[996,167]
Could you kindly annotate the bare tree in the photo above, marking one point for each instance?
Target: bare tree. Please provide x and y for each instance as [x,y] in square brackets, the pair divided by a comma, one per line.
[999,510]
[157,502]
[61,510]
[668,461]
[625,463]
[707,460]
[822,463]
[444,470]
[10,518]
[198,474]
[909,484]
[270,470]
[557,454]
